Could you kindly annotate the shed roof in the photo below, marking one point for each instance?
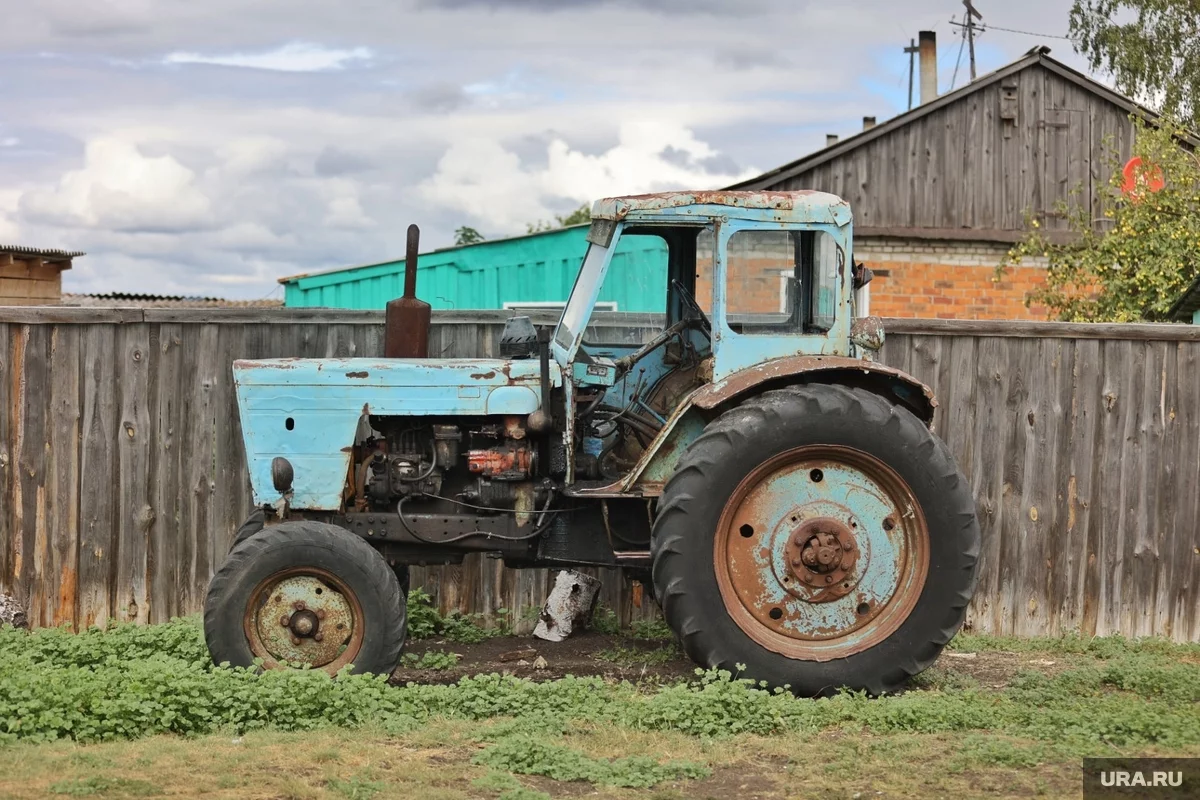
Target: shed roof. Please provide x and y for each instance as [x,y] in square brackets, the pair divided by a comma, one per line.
[128,299]
[46,254]
[1038,55]
[1187,305]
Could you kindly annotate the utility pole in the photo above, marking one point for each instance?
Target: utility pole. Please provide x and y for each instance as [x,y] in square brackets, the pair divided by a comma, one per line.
[912,51]
[971,16]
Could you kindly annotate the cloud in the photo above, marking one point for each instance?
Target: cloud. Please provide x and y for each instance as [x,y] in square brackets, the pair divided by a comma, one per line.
[292,57]
[119,188]
[492,185]
[188,154]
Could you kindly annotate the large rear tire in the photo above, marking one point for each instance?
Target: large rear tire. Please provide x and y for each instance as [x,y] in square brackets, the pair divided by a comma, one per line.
[306,593]
[816,537]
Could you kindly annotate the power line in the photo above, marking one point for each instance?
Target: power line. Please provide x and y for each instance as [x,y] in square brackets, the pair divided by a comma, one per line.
[958,60]
[983,28]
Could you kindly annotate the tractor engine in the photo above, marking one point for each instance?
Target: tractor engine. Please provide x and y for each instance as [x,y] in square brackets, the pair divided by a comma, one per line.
[480,463]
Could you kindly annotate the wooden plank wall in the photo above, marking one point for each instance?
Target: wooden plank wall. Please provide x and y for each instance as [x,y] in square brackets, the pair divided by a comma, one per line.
[122,476]
[964,168]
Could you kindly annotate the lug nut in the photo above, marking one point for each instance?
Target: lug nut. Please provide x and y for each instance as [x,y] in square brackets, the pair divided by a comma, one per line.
[283,620]
[321,614]
[295,640]
[318,636]
[298,605]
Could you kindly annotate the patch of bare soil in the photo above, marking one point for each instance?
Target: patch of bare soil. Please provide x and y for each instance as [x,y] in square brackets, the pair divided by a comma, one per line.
[615,658]
[584,654]
[995,669]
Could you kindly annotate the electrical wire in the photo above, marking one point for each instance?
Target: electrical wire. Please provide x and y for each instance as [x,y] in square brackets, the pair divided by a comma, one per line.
[962,42]
[1023,33]
[537,531]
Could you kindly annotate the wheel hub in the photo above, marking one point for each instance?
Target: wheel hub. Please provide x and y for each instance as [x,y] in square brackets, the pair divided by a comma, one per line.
[304,616]
[820,554]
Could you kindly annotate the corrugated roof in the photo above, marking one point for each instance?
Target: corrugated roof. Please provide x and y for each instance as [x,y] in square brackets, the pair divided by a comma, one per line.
[1038,55]
[451,248]
[49,254]
[160,301]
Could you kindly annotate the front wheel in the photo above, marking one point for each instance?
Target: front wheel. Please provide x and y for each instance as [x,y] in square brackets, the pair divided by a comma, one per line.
[306,593]
[818,537]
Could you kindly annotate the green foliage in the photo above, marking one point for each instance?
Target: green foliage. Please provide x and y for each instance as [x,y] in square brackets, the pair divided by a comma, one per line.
[55,685]
[655,630]
[1141,266]
[577,217]
[424,622]
[430,659]
[356,788]
[1103,647]
[529,755]
[605,620]
[466,235]
[1150,47]
[100,785]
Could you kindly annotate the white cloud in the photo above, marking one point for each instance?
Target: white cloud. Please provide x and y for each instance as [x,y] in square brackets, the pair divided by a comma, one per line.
[292,57]
[119,188]
[479,177]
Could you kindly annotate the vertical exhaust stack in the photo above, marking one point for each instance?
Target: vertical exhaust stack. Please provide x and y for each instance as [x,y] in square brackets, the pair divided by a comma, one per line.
[929,78]
[868,123]
[406,327]
[831,139]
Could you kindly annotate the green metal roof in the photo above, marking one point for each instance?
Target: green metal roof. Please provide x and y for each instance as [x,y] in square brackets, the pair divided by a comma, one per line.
[536,268]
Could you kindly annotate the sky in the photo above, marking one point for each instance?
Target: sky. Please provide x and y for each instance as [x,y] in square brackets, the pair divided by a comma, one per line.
[210,148]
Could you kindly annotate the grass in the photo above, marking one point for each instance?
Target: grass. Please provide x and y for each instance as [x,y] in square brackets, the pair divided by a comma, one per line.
[139,712]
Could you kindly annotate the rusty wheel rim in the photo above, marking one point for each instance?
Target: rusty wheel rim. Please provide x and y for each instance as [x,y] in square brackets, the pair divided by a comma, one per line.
[821,552]
[304,616]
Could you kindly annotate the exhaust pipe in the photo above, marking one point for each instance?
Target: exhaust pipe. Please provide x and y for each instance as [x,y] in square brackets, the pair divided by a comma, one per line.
[406,326]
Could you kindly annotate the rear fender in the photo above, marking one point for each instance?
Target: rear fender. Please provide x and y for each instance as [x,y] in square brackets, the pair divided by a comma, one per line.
[659,460]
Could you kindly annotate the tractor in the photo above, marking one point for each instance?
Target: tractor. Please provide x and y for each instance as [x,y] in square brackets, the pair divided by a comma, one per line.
[779,491]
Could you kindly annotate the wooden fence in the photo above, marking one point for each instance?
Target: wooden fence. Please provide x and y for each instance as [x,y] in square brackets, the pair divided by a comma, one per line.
[122,475]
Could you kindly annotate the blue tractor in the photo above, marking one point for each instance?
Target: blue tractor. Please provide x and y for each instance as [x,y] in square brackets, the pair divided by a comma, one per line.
[780,491]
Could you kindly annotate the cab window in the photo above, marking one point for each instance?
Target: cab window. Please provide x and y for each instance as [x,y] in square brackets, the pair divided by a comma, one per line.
[780,282]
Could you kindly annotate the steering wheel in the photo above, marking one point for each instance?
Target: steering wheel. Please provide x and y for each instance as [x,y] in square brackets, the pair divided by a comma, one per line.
[693,306]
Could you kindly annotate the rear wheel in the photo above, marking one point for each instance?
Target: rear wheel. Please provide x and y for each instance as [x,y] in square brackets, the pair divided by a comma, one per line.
[819,536]
[306,593]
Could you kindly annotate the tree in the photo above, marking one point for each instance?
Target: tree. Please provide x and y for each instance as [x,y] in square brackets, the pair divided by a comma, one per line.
[1139,266]
[1153,52]
[577,217]
[465,235]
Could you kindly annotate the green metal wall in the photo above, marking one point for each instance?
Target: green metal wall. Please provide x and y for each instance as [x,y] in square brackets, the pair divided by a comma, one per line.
[537,268]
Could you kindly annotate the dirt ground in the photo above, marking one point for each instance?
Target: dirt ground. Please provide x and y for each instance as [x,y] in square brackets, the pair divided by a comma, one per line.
[622,658]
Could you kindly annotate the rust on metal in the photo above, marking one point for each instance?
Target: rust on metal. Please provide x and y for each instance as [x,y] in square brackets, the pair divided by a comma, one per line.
[867,333]
[483,376]
[304,615]
[804,562]
[714,394]
[359,374]
[406,319]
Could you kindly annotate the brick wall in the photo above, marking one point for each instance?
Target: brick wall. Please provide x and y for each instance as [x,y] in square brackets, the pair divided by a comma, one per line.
[913,278]
[947,280]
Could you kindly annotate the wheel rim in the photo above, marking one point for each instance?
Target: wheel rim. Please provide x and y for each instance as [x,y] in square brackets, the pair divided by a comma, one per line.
[304,616]
[821,552]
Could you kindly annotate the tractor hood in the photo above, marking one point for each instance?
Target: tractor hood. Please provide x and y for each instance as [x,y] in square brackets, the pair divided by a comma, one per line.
[307,410]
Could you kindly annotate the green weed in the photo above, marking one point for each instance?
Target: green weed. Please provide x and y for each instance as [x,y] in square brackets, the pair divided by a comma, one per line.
[527,755]
[430,659]
[633,656]
[99,785]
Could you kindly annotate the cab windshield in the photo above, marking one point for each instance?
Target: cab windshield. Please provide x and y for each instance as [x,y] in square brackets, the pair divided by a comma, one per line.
[579,304]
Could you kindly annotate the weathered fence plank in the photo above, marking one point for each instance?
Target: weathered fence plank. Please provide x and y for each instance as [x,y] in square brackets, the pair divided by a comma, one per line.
[62,464]
[122,476]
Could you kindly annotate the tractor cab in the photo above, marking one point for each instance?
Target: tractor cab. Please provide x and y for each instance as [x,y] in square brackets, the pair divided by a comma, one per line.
[753,279]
